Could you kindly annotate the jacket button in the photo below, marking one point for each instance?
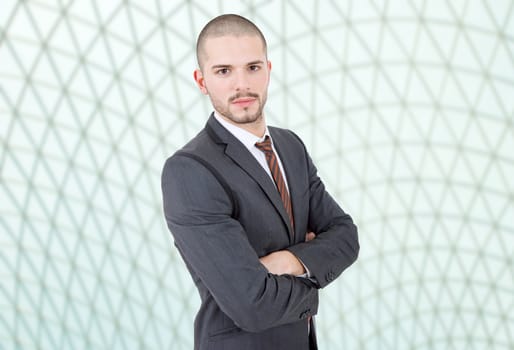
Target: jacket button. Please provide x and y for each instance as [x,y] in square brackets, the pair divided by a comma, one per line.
[330,276]
[305,314]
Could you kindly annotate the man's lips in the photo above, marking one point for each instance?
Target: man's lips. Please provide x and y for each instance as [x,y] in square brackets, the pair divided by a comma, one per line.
[244,102]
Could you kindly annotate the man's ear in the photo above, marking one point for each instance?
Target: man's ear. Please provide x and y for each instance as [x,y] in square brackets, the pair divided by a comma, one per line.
[200,81]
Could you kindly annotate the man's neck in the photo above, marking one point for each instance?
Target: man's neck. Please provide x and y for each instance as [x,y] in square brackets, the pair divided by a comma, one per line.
[257,128]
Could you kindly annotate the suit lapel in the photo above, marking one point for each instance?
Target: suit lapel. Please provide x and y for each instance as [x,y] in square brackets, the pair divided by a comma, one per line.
[246,161]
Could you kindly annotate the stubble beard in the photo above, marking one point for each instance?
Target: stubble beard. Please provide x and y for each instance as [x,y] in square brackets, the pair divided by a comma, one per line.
[246,117]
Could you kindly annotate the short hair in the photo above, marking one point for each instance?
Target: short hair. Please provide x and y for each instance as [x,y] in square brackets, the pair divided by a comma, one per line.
[228,24]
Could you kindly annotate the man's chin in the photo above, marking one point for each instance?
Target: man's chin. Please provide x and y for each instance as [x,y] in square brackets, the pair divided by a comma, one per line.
[245,119]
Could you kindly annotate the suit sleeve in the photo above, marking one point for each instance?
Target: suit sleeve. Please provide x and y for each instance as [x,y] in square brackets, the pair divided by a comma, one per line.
[215,246]
[336,245]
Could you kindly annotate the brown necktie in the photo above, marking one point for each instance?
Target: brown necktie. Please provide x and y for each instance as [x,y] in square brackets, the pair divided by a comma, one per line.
[271,158]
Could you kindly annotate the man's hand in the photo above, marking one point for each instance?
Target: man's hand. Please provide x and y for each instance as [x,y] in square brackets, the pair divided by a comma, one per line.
[283,262]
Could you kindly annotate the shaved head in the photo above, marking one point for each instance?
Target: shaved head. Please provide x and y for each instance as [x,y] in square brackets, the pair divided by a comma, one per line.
[226,25]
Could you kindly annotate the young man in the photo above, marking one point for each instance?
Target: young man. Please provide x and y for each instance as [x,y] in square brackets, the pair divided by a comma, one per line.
[249,214]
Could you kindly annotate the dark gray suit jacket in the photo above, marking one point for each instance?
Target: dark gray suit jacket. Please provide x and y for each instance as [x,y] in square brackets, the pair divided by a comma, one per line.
[225,212]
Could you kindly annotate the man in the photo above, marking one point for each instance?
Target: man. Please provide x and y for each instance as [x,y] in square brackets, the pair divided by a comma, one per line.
[248,212]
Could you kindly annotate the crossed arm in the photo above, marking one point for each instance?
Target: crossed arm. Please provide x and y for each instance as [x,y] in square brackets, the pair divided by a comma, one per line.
[246,291]
[256,293]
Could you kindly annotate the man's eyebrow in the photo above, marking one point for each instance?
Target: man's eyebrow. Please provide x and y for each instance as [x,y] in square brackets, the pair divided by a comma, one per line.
[254,63]
[220,66]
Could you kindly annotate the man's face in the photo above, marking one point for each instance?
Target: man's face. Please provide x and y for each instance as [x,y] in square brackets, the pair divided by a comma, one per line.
[235,74]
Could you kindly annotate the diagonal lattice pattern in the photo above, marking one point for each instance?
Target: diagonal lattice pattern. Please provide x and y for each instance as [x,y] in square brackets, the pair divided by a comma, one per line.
[406,107]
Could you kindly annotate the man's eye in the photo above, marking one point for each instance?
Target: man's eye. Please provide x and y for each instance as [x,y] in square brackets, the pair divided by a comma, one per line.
[222,71]
[254,68]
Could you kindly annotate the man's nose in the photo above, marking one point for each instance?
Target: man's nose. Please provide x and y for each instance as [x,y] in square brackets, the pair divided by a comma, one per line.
[241,81]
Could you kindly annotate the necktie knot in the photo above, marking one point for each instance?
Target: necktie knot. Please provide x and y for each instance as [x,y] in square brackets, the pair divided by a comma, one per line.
[265,146]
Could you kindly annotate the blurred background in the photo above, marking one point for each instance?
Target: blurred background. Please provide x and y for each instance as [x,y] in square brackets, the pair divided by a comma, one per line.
[407,108]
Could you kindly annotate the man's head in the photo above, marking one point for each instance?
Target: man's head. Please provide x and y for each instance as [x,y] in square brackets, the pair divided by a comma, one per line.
[226,25]
[234,70]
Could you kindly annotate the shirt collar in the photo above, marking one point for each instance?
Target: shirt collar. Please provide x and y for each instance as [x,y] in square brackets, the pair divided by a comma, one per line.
[247,138]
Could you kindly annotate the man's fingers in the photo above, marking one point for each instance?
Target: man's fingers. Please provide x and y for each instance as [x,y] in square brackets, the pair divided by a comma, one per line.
[310,236]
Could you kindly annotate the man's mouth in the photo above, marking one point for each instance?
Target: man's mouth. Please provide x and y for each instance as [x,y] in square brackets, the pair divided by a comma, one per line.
[243,101]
